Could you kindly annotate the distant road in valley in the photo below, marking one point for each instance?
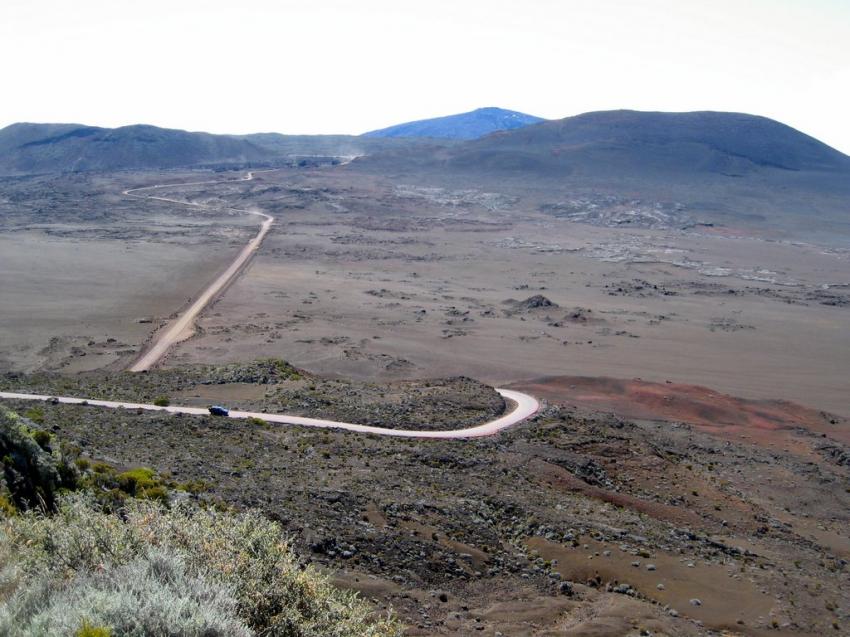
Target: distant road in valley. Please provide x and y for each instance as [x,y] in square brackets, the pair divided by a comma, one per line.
[182,327]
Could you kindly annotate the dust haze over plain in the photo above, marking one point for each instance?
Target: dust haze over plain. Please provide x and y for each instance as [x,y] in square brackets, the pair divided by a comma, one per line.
[342,67]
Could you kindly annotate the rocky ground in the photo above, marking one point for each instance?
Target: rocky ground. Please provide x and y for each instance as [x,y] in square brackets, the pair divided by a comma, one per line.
[574,523]
[271,385]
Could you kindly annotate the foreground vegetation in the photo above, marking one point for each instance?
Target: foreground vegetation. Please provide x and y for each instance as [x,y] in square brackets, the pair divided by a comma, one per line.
[140,566]
[535,531]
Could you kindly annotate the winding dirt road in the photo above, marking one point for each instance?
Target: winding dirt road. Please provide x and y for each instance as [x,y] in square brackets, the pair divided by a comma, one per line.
[524,407]
[182,327]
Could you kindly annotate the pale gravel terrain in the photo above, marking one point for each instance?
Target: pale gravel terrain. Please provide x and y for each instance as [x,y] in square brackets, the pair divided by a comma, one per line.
[406,287]
[60,306]
[78,301]
[366,279]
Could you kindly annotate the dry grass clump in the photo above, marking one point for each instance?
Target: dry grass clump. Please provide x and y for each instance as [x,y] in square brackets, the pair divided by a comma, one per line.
[152,570]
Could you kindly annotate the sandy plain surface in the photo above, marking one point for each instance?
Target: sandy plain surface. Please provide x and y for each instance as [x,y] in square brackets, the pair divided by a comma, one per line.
[363,280]
[366,278]
[88,274]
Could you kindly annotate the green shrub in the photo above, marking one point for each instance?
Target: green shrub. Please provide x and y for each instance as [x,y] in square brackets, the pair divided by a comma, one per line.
[36,414]
[6,506]
[136,480]
[42,439]
[162,401]
[102,467]
[112,499]
[157,492]
[153,594]
[156,571]
[87,630]
[34,472]
[193,486]
[112,489]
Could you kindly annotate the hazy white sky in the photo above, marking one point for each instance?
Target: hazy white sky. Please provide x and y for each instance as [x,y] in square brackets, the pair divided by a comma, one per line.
[331,66]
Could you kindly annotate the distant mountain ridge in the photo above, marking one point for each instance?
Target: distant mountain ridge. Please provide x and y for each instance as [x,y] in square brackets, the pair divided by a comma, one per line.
[742,172]
[43,148]
[463,126]
[27,148]
[639,144]
[693,141]
[598,145]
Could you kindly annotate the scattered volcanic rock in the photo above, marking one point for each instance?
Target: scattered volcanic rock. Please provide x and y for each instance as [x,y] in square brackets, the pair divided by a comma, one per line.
[534,302]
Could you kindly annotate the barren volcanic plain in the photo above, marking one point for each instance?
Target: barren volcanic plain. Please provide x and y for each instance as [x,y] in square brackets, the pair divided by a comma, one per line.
[688,474]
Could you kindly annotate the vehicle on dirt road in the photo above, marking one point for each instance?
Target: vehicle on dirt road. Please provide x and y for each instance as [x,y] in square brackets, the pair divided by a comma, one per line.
[218,410]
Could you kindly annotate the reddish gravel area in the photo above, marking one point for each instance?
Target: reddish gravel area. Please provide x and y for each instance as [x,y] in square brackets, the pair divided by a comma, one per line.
[766,422]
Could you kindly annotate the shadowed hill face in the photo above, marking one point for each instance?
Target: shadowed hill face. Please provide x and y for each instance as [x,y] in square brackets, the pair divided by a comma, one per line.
[25,135]
[47,148]
[613,142]
[471,125]
[742,172]
[632,144]
[44,148]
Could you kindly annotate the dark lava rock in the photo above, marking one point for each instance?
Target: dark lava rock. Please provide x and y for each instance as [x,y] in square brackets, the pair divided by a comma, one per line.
[835,453]
[534,302]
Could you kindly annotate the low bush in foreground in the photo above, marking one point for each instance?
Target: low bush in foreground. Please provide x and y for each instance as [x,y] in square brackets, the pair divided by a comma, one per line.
[151,570]
[35,468]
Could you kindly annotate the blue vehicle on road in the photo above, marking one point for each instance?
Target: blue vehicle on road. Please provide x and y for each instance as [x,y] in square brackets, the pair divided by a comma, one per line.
[218,410]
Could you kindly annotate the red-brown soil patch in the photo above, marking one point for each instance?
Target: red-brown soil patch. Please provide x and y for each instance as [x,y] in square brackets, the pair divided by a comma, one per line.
[764,422]
[725,596]
[561,478]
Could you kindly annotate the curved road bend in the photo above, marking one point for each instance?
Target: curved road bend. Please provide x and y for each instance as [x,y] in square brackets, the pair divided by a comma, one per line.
[524,407]
[181,328]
